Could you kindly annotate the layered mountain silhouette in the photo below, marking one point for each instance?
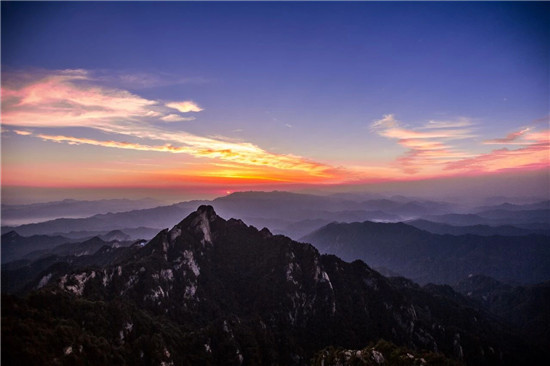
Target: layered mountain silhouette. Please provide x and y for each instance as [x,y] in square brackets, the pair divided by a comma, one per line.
[425,257]
[215,291]
[15,246]
[483,230]
[293,215]
[157,217]
[69,208]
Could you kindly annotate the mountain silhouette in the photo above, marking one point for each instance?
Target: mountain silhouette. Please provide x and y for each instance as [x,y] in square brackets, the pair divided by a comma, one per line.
[216,291]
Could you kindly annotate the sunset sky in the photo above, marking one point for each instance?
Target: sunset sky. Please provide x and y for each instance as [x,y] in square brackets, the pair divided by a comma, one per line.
[215,97]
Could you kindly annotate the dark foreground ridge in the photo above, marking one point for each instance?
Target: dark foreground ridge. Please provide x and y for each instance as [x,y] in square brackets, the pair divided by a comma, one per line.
[219,292]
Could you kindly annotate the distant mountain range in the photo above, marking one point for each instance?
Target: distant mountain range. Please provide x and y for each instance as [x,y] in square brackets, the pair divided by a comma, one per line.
[423,257]
[24,214]
[158,217]
[215,291]
[15,246]
[296,215]
[426,257]
[483,230]
[542,205]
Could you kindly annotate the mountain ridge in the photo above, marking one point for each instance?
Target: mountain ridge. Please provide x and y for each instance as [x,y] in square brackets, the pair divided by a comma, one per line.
[233,294]
[427,257]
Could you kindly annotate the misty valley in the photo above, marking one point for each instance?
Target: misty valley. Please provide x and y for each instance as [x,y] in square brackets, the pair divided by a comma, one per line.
[277,278]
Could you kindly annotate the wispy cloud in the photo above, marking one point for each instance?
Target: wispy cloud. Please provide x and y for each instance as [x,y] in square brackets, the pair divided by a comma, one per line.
[247,154]
[67,99]
[22,133]
[535,153]
[431,151]
[511,138]
[185,107]
[176,118]
[387,122]
[401,133]
[70,99]
[390,127]
[458,123]
[36,105]
[428,146]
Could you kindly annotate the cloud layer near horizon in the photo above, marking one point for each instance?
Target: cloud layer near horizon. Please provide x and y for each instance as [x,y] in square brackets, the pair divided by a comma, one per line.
[50,105]
[431,148]
[71,98]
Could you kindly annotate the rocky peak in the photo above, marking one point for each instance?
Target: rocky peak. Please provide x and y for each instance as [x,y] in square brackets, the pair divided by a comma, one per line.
[198,222]
[208,212]
[115,235]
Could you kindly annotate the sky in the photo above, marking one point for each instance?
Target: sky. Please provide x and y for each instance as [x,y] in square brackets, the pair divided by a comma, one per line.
[202,99]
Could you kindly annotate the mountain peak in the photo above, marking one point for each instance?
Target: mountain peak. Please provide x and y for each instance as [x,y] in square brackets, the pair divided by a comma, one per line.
[11,235]
[207,211]
[199,221]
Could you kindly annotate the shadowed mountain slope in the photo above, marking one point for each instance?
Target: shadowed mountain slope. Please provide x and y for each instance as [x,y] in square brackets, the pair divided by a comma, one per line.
[426,257]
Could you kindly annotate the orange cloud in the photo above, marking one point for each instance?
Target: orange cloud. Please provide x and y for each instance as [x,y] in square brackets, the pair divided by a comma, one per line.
[534,154]
[400,133]
[250,155]
[71,99]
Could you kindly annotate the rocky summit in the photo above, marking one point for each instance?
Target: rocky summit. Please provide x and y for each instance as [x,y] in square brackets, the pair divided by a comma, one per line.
[220,292]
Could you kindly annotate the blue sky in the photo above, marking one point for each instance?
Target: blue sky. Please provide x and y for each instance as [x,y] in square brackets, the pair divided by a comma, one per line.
[302,79]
